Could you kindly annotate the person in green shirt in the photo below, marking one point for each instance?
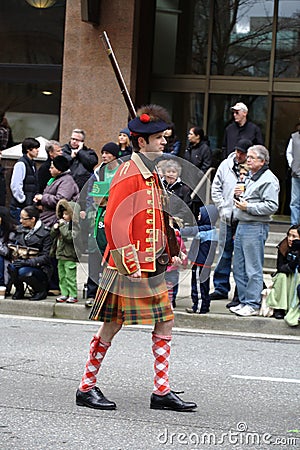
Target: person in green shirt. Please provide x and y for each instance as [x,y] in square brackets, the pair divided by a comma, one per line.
[96,213]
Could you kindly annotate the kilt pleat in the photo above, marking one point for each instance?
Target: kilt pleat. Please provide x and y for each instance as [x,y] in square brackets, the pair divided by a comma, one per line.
[130,301]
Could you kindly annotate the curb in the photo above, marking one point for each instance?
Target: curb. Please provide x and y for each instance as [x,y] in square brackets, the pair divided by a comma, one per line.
[219,322]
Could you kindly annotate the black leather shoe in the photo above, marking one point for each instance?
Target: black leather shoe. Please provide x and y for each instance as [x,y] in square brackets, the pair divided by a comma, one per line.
[39,296]
[170,401]
[94,399]
[18,295]
[279,314]
[216,296]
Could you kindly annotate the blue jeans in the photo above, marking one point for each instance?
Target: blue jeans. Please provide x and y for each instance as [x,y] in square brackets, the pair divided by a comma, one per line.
[200,287]
[222,271]
[172,280]
[248,260]
[2,268]
[295,201]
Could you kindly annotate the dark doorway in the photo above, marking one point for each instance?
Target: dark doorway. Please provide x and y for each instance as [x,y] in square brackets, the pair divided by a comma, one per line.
[286,114]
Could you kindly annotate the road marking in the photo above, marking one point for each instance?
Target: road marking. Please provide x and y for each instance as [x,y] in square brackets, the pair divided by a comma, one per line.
[276,380]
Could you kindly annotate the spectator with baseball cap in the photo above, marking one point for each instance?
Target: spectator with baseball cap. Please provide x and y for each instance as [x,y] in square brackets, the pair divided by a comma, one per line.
[240,128]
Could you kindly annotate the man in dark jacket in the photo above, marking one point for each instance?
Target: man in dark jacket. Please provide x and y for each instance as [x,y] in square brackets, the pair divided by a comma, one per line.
[81,158]
[240,128]
[24,180]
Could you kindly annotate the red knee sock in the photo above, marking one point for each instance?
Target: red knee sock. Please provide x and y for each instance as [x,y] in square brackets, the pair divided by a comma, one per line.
[161,350]
[98,349]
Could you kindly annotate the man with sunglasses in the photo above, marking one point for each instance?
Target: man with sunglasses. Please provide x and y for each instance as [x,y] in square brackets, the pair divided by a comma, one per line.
[240,128]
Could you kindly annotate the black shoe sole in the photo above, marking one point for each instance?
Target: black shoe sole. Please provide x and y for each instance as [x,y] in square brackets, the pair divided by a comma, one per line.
[169,408]
[108,408]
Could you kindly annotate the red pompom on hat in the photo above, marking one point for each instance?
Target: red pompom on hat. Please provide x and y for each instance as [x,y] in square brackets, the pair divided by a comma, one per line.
[145,118]
[150,119]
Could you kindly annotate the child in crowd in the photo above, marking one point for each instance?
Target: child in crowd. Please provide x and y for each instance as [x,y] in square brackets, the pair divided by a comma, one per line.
[172,272]
[201,254]
[63,233]
[180,199]
[283,295]
[97,239]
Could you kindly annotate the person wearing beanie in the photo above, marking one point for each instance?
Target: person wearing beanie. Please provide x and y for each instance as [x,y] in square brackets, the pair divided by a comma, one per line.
[104,173]
[240,128]
[222,194]
[61,185]
[125,148]
[132,289]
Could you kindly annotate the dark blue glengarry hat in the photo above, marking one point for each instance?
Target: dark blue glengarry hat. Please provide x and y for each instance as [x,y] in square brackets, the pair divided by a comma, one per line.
[150,119]
[144,125]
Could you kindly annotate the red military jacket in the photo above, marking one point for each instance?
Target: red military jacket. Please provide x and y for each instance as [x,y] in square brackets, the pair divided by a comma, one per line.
[134,224]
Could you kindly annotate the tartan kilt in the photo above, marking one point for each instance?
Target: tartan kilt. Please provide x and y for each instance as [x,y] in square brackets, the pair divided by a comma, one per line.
[131,302]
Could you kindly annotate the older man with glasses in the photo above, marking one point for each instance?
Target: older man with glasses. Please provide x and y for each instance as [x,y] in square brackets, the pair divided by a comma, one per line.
[240,128]
[253,212]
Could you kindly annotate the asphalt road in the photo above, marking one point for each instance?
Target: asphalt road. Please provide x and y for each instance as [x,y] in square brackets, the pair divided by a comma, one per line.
[247,390]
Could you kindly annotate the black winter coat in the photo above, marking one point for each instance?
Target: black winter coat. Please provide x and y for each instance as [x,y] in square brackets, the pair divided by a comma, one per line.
[82,165]
[200,155]
[40,239]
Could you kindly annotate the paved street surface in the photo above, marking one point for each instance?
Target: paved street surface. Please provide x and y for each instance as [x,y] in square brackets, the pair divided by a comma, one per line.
[247,390]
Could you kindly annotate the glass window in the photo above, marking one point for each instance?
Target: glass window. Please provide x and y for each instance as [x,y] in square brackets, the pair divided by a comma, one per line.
[186,110]
[31,67]
[31,35]
[242,37]
[285,119]
[181,36]
[220,115]
[287,62]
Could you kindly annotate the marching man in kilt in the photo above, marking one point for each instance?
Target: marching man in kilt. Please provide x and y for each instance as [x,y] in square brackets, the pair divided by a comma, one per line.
[132,289]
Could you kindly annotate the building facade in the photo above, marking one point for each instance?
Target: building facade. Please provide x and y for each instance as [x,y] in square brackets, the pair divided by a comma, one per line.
[196,57]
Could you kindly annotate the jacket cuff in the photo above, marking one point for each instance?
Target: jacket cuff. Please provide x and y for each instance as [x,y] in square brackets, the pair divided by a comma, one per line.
[126,259]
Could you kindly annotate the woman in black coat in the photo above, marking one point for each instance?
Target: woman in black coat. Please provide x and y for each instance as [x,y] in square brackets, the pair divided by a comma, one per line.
[35,271]
[198,151]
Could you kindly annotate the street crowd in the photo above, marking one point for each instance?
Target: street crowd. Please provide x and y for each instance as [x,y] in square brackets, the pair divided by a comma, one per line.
[56,211]
[133,213]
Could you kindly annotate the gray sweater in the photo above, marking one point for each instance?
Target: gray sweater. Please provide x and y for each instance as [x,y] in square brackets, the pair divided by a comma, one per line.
[223,187]
[262,197]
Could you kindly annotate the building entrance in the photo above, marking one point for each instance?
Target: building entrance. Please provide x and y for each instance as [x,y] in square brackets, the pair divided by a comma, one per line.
[286,114]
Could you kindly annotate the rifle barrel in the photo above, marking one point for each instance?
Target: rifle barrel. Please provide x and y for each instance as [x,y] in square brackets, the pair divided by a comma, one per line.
[118,74]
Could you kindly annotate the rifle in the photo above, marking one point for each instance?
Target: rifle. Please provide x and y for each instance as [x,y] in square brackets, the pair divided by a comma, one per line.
[120,79]
[170,232]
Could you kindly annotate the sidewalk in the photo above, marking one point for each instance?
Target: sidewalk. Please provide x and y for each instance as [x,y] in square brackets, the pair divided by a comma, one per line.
[220,319]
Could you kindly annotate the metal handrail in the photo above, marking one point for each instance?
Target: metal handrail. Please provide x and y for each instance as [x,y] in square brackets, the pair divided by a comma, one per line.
[205,179]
